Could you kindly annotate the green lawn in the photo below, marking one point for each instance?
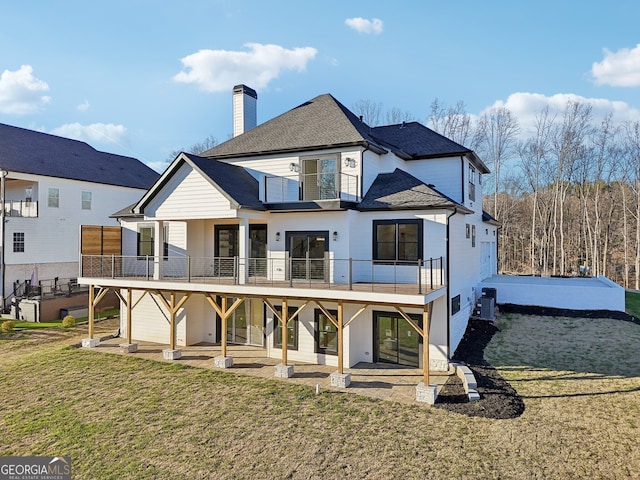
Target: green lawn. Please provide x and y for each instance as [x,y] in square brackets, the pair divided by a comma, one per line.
[19,325]
[632,303]
[123,417]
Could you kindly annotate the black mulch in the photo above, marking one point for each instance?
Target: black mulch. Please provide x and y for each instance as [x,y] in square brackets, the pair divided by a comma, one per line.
[498,399]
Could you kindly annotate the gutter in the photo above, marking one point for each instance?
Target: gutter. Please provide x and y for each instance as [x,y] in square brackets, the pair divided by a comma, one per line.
[3,213]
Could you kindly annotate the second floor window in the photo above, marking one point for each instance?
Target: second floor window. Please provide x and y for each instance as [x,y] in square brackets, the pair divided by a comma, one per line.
[472,183]
[86,200]
[145,240]
[53,198]
[18,242]
[397,241]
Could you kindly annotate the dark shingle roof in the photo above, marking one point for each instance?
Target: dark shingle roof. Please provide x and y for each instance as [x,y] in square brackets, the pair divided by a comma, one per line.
[28,151]
[319,123]
[401,191]
[233,181]
[417,141]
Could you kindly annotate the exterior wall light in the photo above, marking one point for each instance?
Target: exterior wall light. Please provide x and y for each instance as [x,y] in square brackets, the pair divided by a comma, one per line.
[350,162]
[277,236]
[335,236]
[294,167]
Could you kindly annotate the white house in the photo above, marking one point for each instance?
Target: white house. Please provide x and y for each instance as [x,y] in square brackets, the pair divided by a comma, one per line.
[368,243]
[49,187]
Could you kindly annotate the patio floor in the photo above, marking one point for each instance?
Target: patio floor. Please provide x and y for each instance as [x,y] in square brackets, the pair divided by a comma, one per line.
[381,381]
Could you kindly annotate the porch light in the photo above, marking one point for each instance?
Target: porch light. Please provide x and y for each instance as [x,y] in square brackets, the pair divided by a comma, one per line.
[350,162]
[294,167]
[277,236]
[335,236]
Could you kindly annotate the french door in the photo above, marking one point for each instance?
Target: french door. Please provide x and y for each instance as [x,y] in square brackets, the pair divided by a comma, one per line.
[307,253]
[395,341]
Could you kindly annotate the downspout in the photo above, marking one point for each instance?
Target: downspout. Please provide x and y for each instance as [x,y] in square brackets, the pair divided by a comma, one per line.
[447,279]
[362,171]
[3,213]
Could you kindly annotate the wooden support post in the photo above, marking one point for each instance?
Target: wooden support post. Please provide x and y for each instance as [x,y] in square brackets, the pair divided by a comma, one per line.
[223,326]
[172,320]
[285,332]
[129,312]
[426,320]
[340,339]
[92,296]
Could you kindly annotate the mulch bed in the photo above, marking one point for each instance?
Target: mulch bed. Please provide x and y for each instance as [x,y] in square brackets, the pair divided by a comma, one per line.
[498,399]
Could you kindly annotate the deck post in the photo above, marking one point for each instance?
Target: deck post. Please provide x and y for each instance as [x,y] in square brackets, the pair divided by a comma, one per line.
[426,320]
[285,336]
[172,318]
[340,338]
[129,311]
[223,333]
[419,276]
[92,297]
[350,273]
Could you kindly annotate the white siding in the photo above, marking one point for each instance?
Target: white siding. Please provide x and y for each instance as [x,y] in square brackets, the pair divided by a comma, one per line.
[188,195]
[150,320]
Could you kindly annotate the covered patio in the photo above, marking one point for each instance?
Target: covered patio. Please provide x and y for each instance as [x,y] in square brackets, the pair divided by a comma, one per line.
[384,382]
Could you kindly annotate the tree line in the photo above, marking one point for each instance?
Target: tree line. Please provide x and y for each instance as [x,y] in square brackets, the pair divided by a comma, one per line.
[566,192]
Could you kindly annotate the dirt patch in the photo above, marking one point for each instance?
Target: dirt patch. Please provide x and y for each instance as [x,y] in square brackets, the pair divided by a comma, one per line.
[498,399]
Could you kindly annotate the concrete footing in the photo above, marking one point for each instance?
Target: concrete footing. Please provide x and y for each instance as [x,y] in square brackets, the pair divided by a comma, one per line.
[223,361]
[284,371]
[169,354]
[341,380]
[426,393]
[90,342]
[128,347]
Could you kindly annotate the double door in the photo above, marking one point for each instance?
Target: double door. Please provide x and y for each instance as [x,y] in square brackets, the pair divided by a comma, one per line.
[308,253]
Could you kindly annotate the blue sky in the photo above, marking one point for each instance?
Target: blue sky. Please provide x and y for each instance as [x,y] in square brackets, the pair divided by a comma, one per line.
[145,78]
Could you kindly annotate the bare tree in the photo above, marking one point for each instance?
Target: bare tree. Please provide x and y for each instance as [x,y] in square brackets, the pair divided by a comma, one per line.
[369,111]
[196,149]
[498,133]
[453,122]
[395,116]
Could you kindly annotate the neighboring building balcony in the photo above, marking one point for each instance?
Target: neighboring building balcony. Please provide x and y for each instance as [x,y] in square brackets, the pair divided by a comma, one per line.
[408,278]
[21,208]
[311,187]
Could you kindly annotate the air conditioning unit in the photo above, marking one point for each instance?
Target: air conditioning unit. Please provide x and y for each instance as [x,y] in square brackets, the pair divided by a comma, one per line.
[487,308]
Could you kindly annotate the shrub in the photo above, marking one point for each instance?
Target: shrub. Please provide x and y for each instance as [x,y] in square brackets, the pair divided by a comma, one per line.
[7,326]
[68,321]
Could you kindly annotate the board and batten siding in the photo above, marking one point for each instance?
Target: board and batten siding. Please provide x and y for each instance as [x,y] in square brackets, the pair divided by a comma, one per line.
[188,195]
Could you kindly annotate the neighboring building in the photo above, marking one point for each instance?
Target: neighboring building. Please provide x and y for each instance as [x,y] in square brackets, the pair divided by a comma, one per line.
[353,236]
[50,186]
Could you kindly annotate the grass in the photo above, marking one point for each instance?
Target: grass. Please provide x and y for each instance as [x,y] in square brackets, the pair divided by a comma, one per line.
[57,323]
[632,303]
[121,417]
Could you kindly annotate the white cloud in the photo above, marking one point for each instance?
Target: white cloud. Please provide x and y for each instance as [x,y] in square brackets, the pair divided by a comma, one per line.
[84,106]
[21,92]
[525,106]
[362,25]
[95,133]
[619,69]
[220,70]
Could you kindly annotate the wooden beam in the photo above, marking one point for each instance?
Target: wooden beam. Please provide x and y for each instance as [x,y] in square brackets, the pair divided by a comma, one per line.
[285,336]
[330,317]
[357,314]
[426,324]
[223,323]
[103,291]
[139,298]
[340,338]
[92,296]
[172,320]
[129,313]
[410,321]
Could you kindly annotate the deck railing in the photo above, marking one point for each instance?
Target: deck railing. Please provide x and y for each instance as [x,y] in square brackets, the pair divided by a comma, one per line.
[20,208]
[346,274]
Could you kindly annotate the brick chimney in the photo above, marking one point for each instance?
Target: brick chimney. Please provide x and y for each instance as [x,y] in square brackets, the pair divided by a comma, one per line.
[245,101]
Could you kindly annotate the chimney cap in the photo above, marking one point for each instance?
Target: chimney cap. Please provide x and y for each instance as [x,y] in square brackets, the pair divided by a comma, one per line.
[246,90]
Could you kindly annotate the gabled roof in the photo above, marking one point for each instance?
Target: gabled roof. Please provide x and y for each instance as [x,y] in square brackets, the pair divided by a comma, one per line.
[28,151]
[324,122]
[235,183]
[401,191]
[319,123]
